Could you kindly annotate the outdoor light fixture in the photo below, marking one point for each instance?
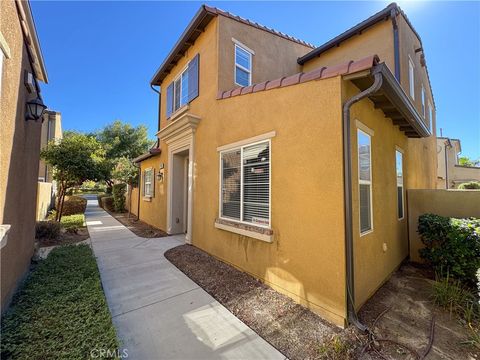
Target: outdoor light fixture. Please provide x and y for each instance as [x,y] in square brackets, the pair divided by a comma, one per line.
[35,109]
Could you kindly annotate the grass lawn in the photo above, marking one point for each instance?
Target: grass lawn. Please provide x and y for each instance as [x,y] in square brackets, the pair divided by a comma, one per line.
[60,312]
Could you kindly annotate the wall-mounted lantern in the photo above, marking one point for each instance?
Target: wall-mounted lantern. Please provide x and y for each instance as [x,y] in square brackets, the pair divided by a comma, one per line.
[35,109]
[160,173]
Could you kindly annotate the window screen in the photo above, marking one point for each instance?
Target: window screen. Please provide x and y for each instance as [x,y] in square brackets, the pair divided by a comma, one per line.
[365,181]
[399,171]
[243,66]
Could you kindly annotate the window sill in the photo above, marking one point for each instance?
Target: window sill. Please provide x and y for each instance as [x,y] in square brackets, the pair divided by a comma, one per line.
[252,231]
[147,198]
[179,112]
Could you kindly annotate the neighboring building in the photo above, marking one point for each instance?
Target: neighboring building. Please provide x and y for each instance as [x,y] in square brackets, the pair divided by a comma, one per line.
[450,173]
[47,188]
[292,162]
[51,130]
[21,67]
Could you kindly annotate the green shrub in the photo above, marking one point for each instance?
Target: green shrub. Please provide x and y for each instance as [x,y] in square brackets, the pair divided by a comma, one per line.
[74,205]
[47,230]
[99,199]
[72,223]
[119,199]
[451,246]
[107,203]
[470,185]
[60,312]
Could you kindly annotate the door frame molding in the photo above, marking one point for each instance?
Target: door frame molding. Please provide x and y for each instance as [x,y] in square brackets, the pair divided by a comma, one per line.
[180,136]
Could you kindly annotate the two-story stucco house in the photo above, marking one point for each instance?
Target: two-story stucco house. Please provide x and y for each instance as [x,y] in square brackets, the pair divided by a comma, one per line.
[292,162]
[450,174]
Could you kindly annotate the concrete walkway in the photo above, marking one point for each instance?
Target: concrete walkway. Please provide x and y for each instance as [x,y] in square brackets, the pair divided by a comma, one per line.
[159,313]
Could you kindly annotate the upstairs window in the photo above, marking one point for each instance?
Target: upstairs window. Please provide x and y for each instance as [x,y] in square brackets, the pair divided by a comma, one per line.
[400,196]
[245,184]
[423,103]
[243,66]
[411,77]
[365,181]
[184,88]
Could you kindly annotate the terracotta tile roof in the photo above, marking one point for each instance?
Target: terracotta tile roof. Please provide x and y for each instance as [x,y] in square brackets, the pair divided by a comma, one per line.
[196,26]
[349,67]
[152,152]
[218,11]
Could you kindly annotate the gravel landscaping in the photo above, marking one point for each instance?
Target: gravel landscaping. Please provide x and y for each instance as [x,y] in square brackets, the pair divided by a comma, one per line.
[291,328]
[138,227]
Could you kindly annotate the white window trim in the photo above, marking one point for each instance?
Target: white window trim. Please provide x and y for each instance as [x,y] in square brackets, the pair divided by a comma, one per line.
[248,141]
[424,102]
[411,77]
[399,150]
[241,184]
[430,116]
[179,76]
[150,169]
[235,65]
[365,182]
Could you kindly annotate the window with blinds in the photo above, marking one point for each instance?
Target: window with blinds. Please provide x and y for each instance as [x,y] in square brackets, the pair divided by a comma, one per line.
[400,196]
[245,185]
[365,181]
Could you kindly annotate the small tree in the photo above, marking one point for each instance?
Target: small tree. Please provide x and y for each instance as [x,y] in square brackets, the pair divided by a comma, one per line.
[466,161]
[127,173]
[74,159]
[121,140]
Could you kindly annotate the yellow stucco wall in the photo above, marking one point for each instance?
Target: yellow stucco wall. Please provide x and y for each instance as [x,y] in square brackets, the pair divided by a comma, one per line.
[274,56]
[44,199]
[377,40]
[306,259]
[372,264]
[154,210]
[451,203]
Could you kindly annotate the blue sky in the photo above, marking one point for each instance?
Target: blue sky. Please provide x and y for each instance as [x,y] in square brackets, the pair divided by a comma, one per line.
[100,56]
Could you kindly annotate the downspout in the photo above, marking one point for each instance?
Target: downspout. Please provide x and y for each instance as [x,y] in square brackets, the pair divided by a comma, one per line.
[159,104]
[447,144]
[347,193]
[396,43]
[139,189]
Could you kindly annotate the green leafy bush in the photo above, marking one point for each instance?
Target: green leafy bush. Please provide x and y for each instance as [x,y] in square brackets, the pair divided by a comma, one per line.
[470,185]
[451,246]
[99,199]
[74,205]
[72,223]
[60,312]
[47,230]
[119,200]
[107,203]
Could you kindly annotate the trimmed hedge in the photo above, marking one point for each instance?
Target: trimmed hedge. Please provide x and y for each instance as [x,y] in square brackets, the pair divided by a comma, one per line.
[47,230]
[452,246]
[469,185]
[60,312]
[119,199]
[107,203]
[74,205]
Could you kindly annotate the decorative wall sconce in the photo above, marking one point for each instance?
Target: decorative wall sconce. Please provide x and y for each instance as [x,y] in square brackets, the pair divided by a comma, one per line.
[35,109]
[160,173]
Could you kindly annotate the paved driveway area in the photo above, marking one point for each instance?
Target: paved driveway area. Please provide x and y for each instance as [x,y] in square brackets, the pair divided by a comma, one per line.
[159,313]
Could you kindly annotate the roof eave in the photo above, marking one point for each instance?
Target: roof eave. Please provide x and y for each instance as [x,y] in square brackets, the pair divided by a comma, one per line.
[394,103]
[383,14]
[147,155]
[26,15]
[188,34]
